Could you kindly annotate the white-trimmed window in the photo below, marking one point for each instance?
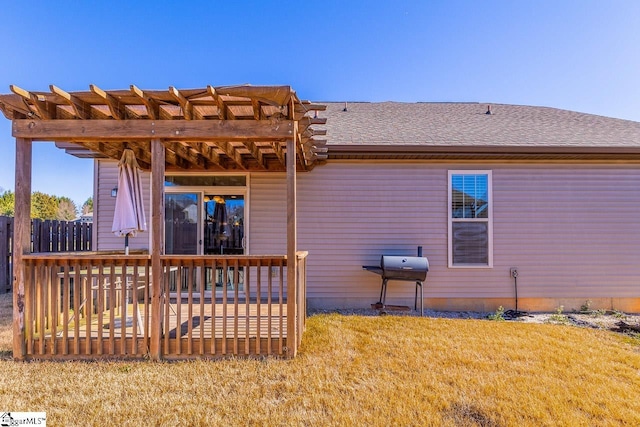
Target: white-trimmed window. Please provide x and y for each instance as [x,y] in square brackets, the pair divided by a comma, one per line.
[470,219]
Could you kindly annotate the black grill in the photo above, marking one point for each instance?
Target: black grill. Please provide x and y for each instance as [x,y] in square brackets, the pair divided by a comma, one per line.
[403,268]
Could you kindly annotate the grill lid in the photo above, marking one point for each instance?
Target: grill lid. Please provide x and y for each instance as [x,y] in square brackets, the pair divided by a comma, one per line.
[404,268]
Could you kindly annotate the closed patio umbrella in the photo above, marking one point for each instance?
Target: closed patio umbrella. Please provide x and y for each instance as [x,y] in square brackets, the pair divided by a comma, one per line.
[128,217]
[220,218]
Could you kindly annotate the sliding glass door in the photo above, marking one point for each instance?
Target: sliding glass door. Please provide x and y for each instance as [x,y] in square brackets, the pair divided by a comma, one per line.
[207,222]
[213,227]
[182,223]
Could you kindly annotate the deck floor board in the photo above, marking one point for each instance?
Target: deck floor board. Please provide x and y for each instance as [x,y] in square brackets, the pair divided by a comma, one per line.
[210,322]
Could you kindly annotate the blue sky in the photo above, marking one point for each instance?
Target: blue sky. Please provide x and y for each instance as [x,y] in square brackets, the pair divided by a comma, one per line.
[579,55]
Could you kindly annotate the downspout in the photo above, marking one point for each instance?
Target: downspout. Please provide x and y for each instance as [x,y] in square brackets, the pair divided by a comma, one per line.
[514,274]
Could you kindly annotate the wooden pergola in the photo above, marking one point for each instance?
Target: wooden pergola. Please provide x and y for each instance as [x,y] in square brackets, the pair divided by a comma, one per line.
[238,128]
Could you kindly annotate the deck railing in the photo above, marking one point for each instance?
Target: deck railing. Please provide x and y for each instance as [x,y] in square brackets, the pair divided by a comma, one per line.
[97,305]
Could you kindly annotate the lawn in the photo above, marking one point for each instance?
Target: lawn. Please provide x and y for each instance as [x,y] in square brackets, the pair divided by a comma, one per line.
[354,370]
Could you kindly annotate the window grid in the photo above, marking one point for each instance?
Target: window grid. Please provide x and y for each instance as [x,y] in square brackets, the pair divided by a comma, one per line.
[470,223]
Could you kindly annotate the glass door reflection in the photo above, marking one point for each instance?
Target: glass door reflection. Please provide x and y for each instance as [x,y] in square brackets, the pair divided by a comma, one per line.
[224,235]
[224,224]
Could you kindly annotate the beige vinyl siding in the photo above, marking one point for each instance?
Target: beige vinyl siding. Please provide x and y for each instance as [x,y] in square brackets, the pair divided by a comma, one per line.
[572,231]
[267,232]
[107,179]
[352,213]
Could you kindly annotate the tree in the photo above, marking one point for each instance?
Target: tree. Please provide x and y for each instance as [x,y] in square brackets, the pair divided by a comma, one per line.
[44,206]
[7,203]
[67,210]
[87,207]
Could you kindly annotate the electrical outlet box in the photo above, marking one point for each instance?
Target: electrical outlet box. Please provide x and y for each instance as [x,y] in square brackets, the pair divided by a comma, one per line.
[513,272]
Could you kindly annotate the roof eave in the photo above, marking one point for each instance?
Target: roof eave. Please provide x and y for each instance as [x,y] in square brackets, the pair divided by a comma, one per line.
[415,152]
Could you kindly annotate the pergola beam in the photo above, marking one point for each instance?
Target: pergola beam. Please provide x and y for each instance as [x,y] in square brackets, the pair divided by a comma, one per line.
[187,107]
[209,151]
[301,156]
[124,130]
[33,103]
[257,110]
[81,109]
[232,153]
[256,154]
[116,108]
[153,108]
[222,109]
[186,153]
[277,150]
[300,110]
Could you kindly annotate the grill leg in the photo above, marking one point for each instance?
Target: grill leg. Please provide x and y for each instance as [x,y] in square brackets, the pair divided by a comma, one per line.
[383,292]
[415,302]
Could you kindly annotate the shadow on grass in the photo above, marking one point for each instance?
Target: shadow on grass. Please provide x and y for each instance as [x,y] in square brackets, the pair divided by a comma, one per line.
[463,414]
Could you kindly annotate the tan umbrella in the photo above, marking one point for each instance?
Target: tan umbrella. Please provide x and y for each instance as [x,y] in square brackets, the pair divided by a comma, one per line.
[128,217]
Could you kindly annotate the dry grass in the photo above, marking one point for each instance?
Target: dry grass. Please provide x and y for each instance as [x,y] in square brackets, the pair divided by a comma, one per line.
[6,331]
[354,370]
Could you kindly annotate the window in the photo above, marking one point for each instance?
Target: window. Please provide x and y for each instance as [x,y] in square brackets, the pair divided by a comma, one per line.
[470,219]
[205,180]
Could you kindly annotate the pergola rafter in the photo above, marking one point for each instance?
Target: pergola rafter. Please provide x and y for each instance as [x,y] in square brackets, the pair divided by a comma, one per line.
[152,107]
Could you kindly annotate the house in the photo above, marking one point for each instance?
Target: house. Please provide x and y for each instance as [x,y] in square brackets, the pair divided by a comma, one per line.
[85,218]
[562,191]
[558,193]
[485,190]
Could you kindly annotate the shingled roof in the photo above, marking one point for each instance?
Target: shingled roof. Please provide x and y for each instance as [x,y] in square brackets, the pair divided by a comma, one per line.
[435,130]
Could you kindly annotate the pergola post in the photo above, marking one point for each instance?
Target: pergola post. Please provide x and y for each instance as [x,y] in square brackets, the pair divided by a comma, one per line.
[21,240]
[292,247]
[157,245]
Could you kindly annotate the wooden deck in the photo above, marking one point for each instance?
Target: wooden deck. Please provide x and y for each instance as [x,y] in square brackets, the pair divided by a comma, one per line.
[185,330]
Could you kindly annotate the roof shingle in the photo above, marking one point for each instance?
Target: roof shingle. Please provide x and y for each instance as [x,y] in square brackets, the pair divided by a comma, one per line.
[468,125]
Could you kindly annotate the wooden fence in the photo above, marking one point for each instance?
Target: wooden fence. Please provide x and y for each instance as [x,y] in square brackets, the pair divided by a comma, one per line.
[46,236]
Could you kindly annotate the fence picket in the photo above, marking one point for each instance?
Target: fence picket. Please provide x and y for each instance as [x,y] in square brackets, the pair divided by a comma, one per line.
[46,236]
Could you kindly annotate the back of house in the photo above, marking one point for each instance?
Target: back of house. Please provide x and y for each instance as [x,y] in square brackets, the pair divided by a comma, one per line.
[485,191]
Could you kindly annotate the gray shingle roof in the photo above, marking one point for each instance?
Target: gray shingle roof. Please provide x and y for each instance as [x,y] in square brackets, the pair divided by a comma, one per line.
[467,125]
